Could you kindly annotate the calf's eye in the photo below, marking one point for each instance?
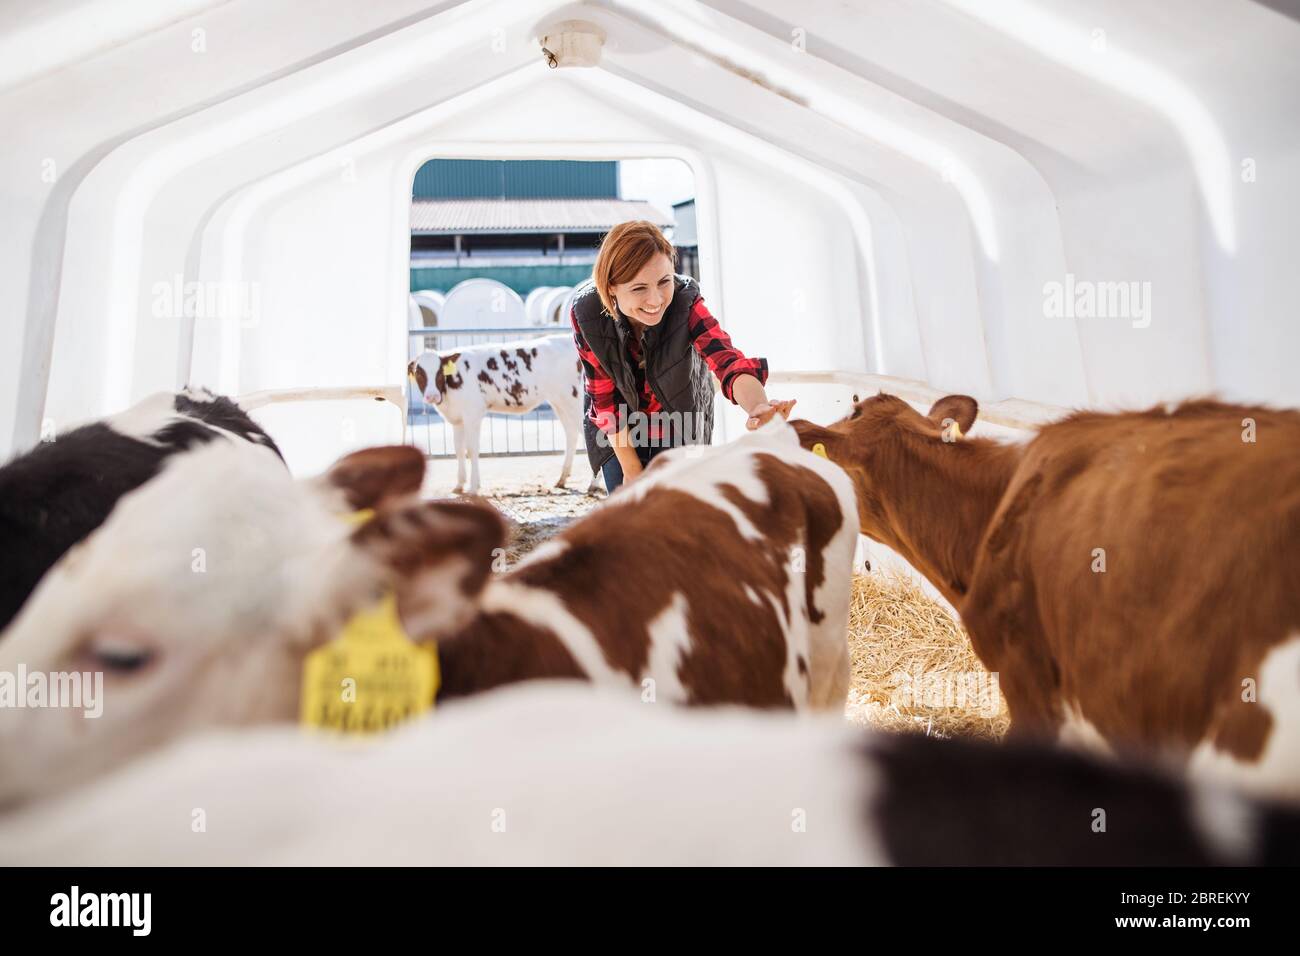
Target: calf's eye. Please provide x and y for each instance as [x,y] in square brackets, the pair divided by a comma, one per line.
[123,660]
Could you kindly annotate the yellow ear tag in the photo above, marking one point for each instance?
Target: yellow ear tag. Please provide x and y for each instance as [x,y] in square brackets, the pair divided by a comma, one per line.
[371,676]
[360,517]
[449,368]
[820,449]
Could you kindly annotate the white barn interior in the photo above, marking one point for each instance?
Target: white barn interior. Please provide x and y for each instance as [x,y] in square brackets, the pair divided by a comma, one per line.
[928,170]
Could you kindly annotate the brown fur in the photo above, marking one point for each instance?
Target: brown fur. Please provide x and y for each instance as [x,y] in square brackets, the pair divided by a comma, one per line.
[416,372]
[441,380]
[617,590]
[621,567]
[377,476]
[1201,533]
[516,391]
[499,649]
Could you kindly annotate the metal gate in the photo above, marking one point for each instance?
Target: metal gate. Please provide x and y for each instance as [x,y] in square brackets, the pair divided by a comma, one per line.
[534,433]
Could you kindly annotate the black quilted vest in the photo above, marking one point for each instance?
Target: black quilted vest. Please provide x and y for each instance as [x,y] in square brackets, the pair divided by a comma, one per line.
[675,372]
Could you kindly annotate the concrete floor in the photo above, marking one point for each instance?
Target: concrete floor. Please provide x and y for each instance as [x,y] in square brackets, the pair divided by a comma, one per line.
[530,474]
[521,488]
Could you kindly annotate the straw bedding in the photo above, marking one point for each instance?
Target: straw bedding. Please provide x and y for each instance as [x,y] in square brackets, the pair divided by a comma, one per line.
[913,667]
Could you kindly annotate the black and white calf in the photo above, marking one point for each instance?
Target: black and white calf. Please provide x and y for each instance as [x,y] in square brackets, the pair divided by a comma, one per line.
[510,377]
[57,493]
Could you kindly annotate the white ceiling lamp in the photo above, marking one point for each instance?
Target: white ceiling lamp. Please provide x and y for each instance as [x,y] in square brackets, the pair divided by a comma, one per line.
[572,43]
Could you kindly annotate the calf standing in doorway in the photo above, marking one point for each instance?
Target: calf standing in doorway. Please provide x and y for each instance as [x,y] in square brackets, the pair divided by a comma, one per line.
[510,377]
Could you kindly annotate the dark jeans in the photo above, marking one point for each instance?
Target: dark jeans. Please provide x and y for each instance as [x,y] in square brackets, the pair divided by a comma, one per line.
[613,471]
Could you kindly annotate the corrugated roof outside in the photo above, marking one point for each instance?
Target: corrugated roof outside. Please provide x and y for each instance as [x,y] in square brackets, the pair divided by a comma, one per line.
[516,179]
[450,216]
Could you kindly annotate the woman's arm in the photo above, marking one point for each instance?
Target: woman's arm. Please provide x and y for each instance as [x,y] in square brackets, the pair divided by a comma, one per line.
[741,378]
[626,454]
[750,396]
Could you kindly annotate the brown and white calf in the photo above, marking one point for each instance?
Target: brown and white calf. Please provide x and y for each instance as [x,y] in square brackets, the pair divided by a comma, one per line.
[720,576]
[1133,577]
[505,377]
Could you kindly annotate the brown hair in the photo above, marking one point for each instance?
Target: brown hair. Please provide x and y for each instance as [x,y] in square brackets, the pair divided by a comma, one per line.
[624,252]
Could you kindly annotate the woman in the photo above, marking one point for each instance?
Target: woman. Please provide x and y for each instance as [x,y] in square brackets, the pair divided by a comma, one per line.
[648,346]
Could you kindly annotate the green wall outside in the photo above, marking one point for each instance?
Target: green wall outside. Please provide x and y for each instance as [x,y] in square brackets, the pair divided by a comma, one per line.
[523,279]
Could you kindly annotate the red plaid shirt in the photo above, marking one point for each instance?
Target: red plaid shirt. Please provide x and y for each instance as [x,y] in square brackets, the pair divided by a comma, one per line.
[724,359]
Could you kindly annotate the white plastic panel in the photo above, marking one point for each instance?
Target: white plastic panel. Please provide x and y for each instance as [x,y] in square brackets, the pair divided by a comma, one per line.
[890,187]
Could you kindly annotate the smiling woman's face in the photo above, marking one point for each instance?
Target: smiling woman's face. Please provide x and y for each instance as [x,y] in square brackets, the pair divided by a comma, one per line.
[646,296]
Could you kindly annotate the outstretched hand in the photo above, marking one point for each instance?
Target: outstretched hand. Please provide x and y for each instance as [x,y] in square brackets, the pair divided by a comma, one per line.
[762,413]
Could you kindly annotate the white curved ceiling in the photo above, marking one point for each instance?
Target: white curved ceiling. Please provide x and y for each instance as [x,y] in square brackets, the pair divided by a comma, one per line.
[920,169]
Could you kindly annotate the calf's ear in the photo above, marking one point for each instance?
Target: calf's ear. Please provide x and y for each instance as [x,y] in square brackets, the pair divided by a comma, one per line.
[438,556]
[811,436]
[955,415]
[374,477]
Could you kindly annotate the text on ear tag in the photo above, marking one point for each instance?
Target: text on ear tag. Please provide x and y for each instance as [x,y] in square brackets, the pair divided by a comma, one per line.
[371,677]
[820,449]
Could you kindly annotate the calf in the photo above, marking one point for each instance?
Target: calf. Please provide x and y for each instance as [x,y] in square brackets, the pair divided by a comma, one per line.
[722,575]
[579,778]
[195,603]
[719,576]
[509,377]
[1133,577]
[54,495]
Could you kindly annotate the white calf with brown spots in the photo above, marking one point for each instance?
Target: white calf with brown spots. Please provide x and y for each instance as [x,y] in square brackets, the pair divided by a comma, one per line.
[509,377]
